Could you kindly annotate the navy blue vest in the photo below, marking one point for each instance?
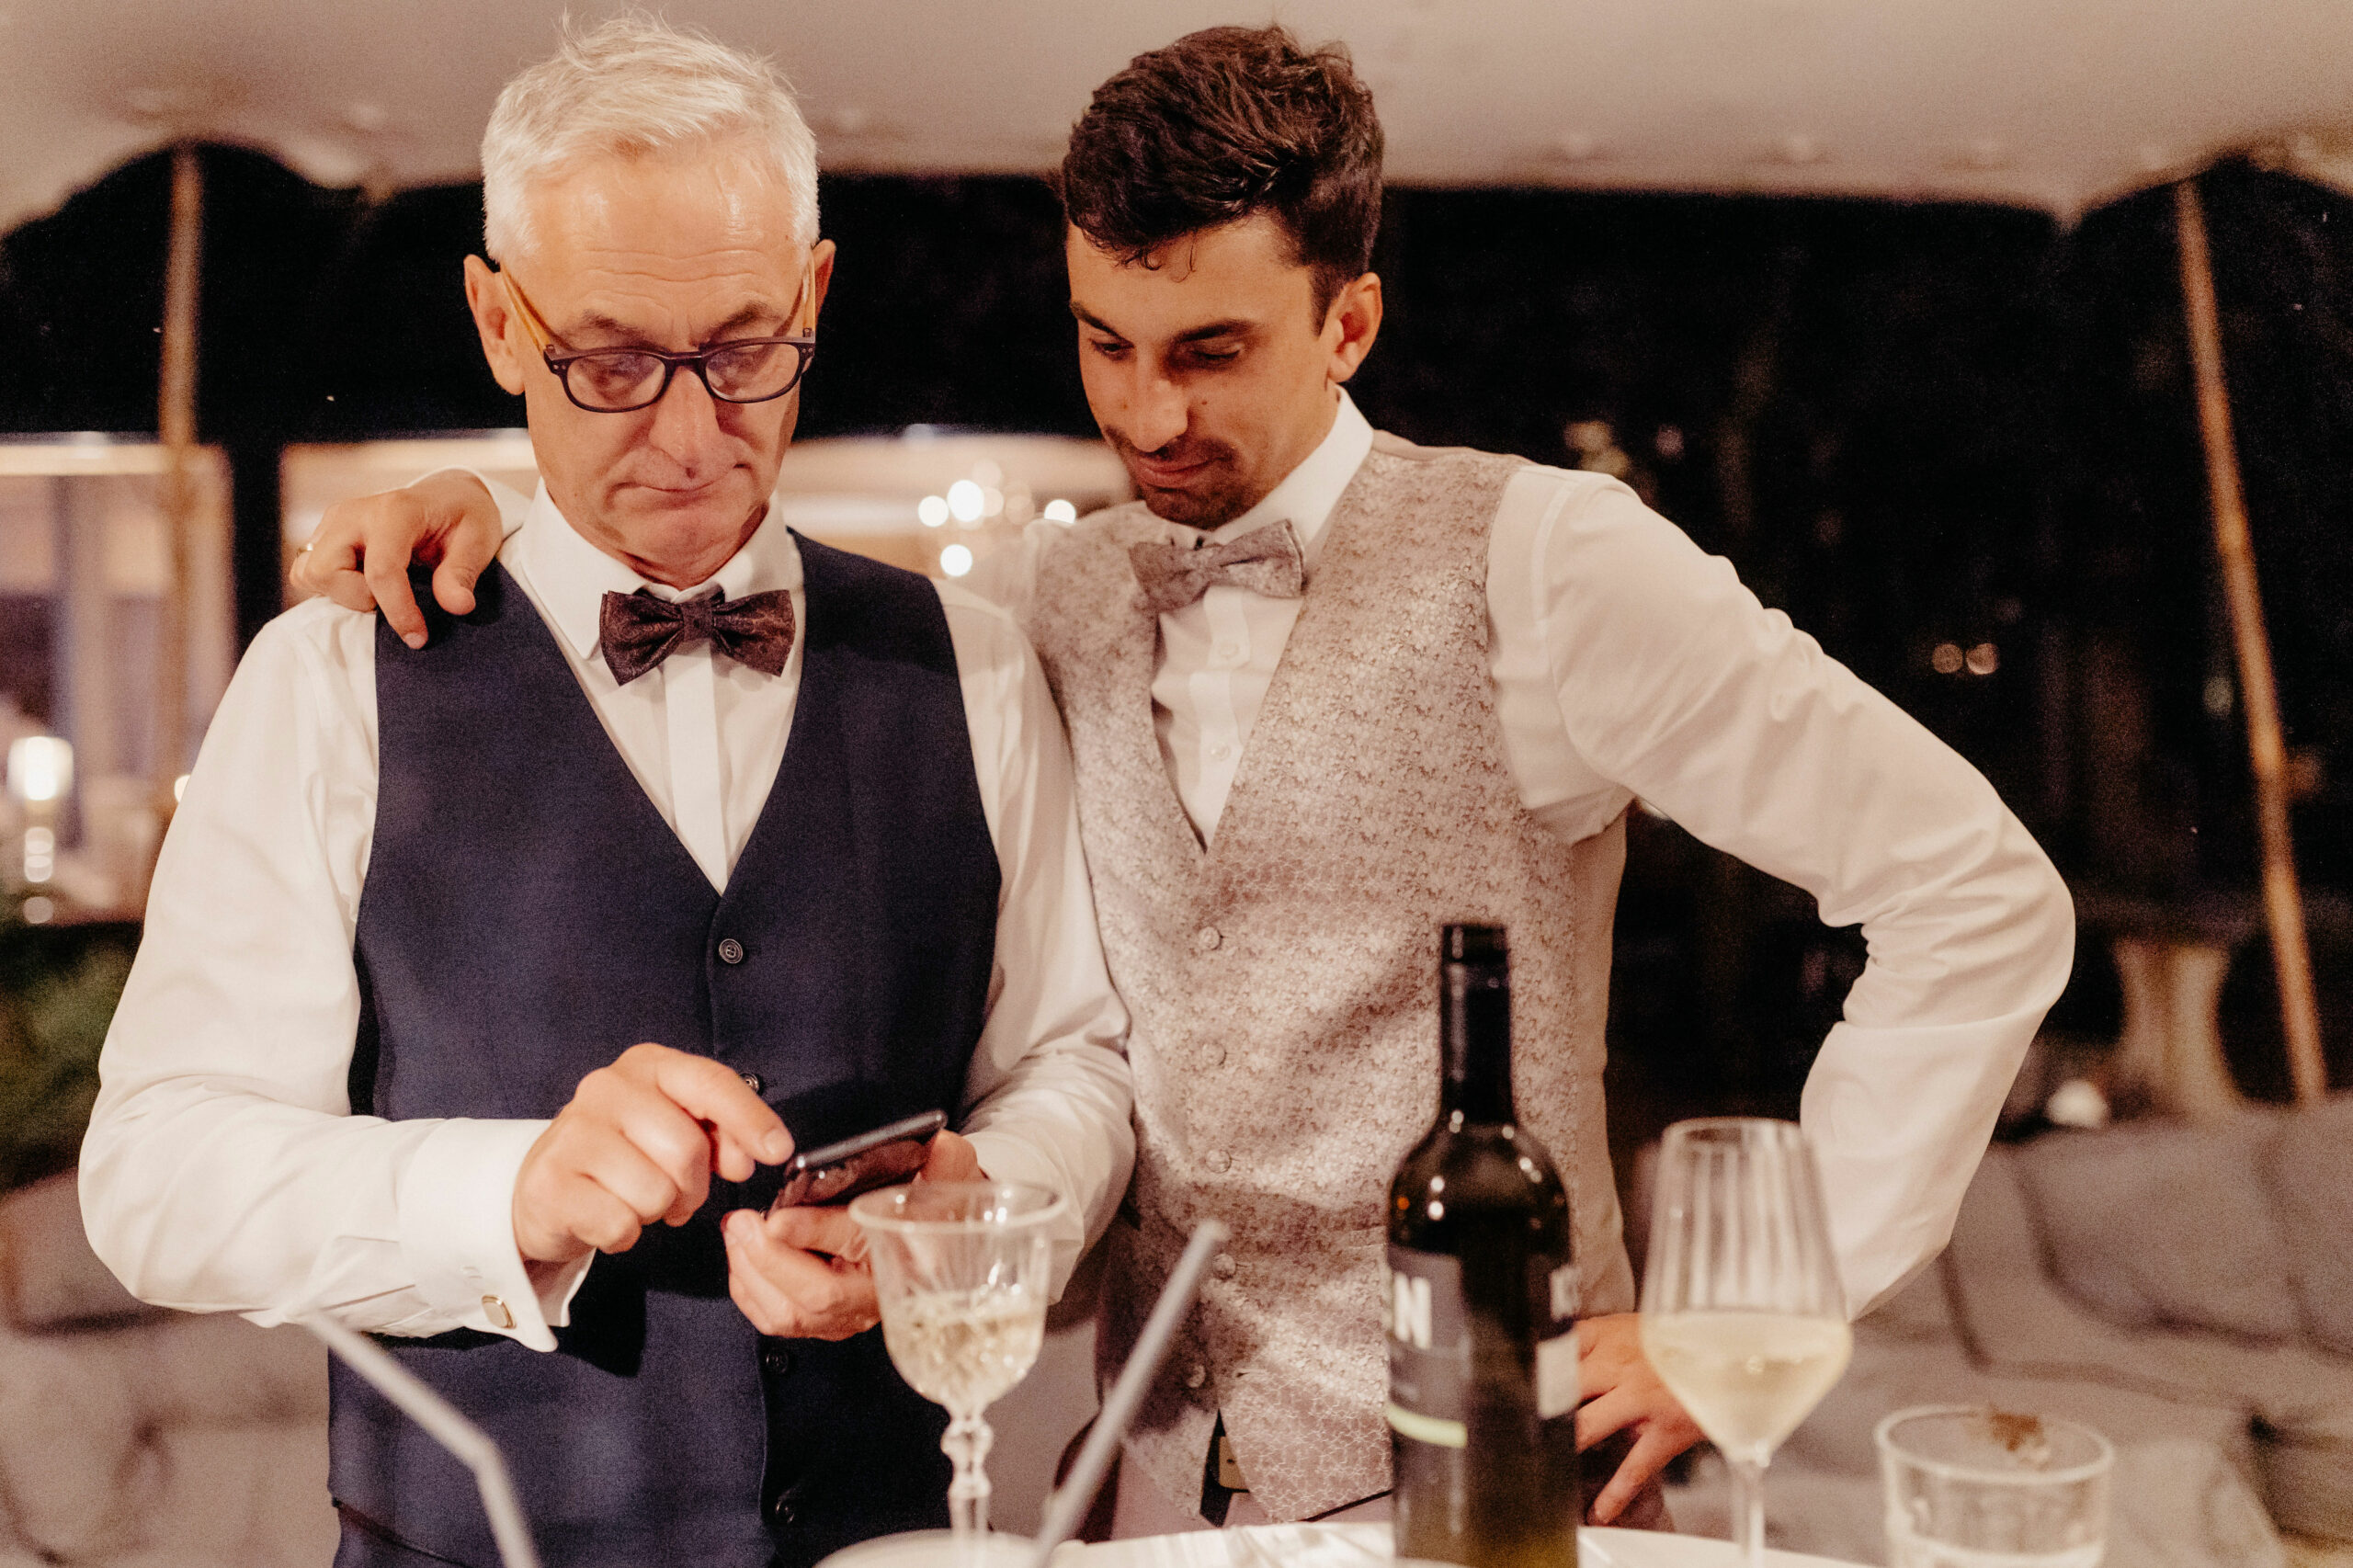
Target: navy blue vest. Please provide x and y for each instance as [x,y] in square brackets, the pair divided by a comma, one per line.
[526,917]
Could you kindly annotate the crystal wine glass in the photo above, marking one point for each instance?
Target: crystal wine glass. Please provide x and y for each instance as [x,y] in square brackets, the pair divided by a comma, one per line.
[964,1271]
[1743,1316]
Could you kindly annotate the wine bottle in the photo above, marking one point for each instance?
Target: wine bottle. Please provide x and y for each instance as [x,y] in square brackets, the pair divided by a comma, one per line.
[1481,1300]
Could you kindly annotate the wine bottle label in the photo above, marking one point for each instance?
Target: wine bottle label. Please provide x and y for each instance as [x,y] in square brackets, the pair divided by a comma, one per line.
[1552,1296]
[1429,1346]
[1556,1374]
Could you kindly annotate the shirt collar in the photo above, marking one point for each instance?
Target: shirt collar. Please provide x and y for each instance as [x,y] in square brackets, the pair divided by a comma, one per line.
[1309,492]
[569,577]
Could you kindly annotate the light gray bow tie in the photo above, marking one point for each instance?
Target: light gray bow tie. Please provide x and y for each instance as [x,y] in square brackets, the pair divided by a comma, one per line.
[1265,560]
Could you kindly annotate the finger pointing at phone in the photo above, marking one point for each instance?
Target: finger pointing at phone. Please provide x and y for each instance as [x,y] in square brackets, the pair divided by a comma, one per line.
[638,1143]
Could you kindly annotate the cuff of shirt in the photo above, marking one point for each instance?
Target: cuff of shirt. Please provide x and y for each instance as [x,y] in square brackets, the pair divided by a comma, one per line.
[1008,1158]
[1899,1119]
[457,1224]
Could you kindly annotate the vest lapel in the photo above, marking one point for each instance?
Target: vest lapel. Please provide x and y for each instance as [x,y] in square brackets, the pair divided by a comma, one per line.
[1131,651]
[591,742]
[815,721]
[1291,694]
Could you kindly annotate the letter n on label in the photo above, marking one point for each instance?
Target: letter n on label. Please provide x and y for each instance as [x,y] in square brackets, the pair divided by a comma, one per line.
[1410,1310]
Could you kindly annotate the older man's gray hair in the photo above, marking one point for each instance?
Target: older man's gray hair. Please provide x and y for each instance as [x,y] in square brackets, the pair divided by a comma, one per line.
[633,86]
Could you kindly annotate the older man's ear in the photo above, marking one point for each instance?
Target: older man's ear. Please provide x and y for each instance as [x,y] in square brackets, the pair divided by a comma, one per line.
[504,342]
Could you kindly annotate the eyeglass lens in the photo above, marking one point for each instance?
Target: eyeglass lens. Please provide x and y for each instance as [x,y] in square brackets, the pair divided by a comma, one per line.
[622,379]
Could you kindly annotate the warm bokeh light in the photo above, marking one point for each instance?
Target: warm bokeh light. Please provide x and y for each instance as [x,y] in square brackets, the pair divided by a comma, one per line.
[40,854]
[40,769]
[933,511]
[956,560]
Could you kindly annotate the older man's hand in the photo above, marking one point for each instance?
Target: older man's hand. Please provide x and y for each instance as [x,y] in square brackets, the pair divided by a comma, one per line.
[1622,1392]
[802,1273]
[636,1145]
[359,556]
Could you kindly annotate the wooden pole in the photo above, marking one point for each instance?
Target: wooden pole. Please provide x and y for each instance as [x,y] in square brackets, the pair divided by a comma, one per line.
[2283,902]
[175,420]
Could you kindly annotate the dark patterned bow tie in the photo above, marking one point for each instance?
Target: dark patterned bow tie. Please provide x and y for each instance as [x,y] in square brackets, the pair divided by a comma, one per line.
[1265,560]
[639,631]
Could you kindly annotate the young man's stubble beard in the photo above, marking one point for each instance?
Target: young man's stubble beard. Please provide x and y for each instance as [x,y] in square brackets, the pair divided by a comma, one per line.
[1218,495]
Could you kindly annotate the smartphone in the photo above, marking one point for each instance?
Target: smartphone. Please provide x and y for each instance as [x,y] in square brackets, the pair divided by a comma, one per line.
[836,1173]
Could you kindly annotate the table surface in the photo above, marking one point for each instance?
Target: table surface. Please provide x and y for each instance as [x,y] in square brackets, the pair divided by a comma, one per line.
[1367,1546]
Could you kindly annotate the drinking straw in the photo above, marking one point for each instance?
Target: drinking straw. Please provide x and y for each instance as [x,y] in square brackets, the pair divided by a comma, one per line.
[1074,1497]
[469,1442]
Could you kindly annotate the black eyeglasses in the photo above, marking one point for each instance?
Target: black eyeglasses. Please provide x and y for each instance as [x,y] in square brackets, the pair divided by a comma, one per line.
[618,380]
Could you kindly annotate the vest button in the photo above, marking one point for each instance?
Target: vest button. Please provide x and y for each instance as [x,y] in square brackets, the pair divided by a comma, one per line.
[775,1360]
[1218,1161]
[1215,1055]
[1223,1265]
[730,950]
[1206,940]
[782,1511]
[1195,1375]
[753,1081]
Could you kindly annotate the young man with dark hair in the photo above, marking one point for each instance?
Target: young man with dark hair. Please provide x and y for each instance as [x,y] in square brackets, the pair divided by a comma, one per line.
[1155,155]
[1326,691]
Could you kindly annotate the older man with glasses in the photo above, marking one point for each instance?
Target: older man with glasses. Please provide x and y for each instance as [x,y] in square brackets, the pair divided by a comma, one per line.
[478,986]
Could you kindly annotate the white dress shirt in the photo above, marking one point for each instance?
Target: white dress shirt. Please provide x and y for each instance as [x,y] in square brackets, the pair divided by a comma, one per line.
[223,1169]
[1628,663]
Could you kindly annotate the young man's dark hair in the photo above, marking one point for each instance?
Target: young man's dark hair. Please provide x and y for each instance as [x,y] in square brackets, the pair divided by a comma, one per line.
[1223,124]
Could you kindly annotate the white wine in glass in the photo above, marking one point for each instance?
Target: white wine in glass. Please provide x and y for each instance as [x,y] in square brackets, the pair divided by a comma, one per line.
[1743,1317]
[964,1271]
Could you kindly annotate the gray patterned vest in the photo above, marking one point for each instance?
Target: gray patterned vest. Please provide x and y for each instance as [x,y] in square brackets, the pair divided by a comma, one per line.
[1283,980]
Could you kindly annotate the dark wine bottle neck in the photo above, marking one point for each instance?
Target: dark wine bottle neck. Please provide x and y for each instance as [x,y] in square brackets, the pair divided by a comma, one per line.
[1474,1040]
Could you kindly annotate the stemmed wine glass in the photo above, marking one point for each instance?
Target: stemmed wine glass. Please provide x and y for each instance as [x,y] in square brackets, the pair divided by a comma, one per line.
[1743,1316]
[963,1271]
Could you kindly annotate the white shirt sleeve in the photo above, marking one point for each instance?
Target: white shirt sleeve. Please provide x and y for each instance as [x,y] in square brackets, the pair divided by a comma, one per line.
[222,1170]
[1047,1097]
[1668,679]
[1007,575]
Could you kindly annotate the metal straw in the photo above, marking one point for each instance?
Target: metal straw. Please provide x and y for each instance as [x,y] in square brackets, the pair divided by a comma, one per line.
[1072,1499]
[452,1431]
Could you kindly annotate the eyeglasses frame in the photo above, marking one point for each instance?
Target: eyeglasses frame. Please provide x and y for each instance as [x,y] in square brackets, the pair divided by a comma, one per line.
[560,364]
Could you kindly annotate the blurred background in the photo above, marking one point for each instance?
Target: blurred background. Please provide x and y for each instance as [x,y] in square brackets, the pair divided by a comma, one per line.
[1883,303]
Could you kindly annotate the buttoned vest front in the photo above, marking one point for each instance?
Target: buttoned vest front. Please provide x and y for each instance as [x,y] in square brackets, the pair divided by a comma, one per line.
[1282,981]
[527,916]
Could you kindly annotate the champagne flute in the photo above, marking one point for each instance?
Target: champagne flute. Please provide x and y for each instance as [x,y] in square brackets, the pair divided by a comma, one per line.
[1743,1316]
[963,1271]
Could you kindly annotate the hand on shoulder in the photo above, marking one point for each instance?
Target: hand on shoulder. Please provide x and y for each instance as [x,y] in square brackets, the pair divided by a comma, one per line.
[361,555]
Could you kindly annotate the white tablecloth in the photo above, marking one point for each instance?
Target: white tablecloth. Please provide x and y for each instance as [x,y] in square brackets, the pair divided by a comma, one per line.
[1367,1546]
